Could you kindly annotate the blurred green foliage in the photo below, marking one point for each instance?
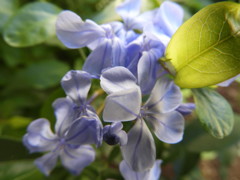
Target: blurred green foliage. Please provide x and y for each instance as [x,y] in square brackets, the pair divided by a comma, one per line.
[32,63]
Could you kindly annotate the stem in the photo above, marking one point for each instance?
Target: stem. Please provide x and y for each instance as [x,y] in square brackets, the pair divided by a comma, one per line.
[82,53]
[162,62]
[96,94]
[100,109]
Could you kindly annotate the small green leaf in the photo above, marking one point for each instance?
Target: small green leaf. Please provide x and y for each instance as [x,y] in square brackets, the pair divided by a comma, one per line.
[32,24]
[197,140]
[214,112]
[205,49]
[7,9]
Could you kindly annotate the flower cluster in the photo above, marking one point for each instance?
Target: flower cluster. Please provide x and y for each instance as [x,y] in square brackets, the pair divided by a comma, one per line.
[126,64]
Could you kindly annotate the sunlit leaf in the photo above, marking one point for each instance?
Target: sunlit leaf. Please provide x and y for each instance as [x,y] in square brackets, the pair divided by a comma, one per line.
[214,112]
[205,49]
[32,24]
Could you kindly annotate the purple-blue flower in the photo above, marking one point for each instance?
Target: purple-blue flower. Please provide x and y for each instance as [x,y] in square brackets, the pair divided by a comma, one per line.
[186,108]
[129,10]
[77,125]
[113,134]
[76,85]
[165,22]
[107,49]
[70,142]
[124,104]
[151,174]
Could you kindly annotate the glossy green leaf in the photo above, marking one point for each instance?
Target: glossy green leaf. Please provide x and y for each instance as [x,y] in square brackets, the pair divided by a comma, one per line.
[7,9]
[197,140]
[214,112]
[205,49]
[32,24]
[43,74]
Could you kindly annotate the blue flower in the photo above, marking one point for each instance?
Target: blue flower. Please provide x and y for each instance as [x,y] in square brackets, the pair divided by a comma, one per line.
[107,49]
[70,142]
[129,10]
[165,22]
[186,108]
[148,67]
[124,104]
[77,125]
[113,134]
[151,174]
[76,85]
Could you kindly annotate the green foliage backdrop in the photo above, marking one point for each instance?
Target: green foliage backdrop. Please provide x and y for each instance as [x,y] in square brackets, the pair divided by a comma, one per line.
[32,63]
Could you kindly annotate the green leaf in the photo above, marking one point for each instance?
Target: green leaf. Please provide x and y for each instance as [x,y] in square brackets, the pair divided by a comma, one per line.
[14,150]
[7,9]
[20,170]
[197,140]
[32,24]
[185,163]
[43,74]
[14,127]
[214,112]
[108,13]
[47,109]
[205,49]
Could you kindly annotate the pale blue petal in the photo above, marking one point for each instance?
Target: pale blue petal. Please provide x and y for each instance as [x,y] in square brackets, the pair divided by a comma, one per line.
[85,130]
[169,17]
[228,82]
[108,35]
[99,59]
[148,67]
[129,9]
[76,159]
[65,115]
[168,127]
[186,108]
[117,79]
[75,33]
[122,105]
[39,137]
[126,36]
[155,172]
[155,33]
[76,85]
[165,96]
[129,174]
[113,134]
[133,55]
[141,20]
[118,52]
[47,162]
[140,151]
